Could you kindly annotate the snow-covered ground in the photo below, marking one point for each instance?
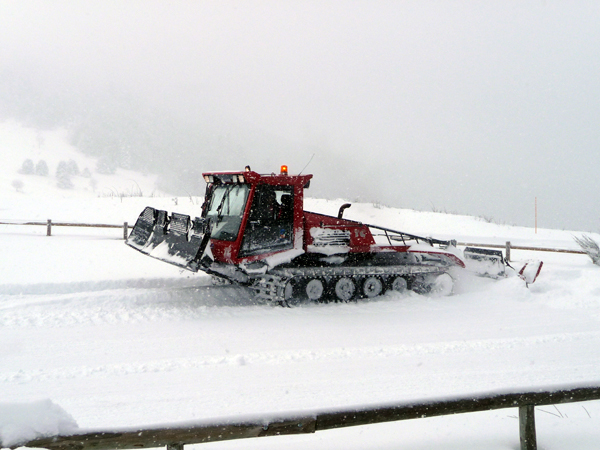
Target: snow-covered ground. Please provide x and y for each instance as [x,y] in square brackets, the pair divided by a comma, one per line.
[117,339]
[96,333]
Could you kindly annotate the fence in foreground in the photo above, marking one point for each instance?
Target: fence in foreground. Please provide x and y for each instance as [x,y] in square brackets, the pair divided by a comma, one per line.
[176,436]
[49,224]
[507,247]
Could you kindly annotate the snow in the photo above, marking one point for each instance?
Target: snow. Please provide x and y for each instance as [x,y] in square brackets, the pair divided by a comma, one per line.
[23,422]
[283,257]
[96,334]
[329,241]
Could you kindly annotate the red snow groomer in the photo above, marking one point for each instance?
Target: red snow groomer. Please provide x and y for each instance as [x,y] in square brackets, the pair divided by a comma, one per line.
[254,231]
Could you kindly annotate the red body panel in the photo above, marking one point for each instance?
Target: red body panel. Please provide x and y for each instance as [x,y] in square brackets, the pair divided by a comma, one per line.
[361,239]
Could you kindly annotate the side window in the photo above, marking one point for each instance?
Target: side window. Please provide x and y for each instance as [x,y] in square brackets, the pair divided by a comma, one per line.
[270,224]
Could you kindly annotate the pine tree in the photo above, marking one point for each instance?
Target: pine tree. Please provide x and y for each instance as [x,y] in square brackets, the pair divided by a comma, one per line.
[41,168]
[72,168]
[61,169]
[64,181]
[63,176]
[27,167]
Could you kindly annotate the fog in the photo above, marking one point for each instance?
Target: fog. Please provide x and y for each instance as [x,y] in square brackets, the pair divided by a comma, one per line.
[471,107]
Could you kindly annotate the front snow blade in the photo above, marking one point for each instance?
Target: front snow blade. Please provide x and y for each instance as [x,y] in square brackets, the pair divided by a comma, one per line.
[174,239]
[485,262]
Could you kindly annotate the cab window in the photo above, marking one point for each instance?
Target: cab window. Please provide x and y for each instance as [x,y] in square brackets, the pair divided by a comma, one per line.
[226,210]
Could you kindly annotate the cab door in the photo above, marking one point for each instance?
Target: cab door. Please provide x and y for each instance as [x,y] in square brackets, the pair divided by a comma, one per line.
[270,223]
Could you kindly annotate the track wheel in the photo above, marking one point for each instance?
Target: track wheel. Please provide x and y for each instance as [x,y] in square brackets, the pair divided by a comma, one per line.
[442,285]
[288,290]
[314,289]
[345,289]
[372,287]
[434,285]
[399,284]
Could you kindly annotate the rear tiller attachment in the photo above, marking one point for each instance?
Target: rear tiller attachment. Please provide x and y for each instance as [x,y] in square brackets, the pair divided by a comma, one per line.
[491,263]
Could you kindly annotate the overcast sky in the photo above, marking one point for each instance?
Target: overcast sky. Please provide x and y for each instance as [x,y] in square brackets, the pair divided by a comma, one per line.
[473,107]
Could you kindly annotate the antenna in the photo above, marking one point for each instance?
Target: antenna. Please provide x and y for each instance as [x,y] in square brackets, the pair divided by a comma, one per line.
[311,158]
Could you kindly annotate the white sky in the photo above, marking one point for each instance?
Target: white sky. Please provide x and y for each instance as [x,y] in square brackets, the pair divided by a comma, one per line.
[468,106]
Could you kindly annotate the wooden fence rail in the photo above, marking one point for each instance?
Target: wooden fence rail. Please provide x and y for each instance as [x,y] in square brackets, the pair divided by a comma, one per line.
[49,224]
[508,246]
[174,437]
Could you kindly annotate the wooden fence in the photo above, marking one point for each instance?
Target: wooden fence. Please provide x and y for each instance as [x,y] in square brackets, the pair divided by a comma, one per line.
[49,224]
[174,437]
[507,247]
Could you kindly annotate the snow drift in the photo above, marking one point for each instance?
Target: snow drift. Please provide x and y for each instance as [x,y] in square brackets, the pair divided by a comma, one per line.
[23,422]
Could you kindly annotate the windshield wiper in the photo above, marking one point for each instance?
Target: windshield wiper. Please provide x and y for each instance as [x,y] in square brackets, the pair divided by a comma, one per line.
[222,203]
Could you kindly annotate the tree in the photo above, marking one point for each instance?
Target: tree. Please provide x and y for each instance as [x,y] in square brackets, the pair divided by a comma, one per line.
[61,169]
[72,168]
[63,176]
[41,168]
[18,185]
[64,181]
[27,167]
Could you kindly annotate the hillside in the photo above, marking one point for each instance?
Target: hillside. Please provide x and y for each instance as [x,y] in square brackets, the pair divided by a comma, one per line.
[92,178]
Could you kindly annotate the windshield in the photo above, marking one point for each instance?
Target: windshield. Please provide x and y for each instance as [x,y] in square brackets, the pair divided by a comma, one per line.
[226,210]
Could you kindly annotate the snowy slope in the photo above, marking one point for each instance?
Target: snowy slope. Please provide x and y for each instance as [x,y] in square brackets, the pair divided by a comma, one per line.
[117,339]
[109,337]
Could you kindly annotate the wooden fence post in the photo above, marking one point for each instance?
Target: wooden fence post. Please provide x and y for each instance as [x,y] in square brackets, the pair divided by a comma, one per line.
[125,229]
[177,446]
[508,250]
[49,228]
[527,427]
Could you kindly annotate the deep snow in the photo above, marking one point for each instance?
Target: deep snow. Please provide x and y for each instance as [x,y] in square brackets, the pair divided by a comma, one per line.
[21,422]
[113,338]
[119,339]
